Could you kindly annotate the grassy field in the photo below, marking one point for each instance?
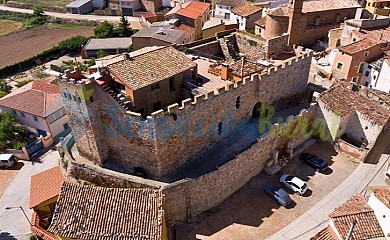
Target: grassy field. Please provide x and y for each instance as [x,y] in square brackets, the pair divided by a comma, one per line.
[55,4]
[8,26]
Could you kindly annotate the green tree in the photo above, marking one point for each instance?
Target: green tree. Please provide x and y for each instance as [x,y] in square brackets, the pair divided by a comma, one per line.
[11,133]
[101,54]
[38,17]
[4,88]
[38,11]
[72,44]
[123,29]
[104,30]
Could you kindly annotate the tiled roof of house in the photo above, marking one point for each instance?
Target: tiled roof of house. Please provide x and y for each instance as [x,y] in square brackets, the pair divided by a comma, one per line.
[356,209]
[344,101]
[186,29]
[149,68]
[188,13]
[108,43]
[324,234]
[97,213]
[361,45]
[38,230]
[191,10]
[245,68]
[45,185]
[382,193]
[246,10]
[231,3]
[37,98]
[261,22]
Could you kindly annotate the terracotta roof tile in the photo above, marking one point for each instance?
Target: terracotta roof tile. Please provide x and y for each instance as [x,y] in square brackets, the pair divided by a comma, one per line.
[324,234]
[38,230]
[359,46]
[200,7]
[356,209]
[246,10]
[245,68]
[45,185]
[188,13]
[152,67]
[90,212]
[37,98]
[344,101]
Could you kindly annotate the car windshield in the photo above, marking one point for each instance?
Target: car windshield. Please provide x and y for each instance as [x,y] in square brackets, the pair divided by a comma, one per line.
[319,162]
[289,178]
[304,186]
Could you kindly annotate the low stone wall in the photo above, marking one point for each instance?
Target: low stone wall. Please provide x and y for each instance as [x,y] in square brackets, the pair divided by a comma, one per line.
[351,150]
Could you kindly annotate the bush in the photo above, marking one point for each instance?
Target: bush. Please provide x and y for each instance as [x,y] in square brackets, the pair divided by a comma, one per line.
[22,83]
[4,87]
[33,237]
[72,44]
[101,54]
[19,145]
[251,31]
[104,30]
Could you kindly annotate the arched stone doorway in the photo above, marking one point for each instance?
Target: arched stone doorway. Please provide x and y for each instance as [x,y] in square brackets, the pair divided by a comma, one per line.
[256,110]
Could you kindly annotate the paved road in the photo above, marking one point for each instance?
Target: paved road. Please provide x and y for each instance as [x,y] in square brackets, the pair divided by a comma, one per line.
[72,16]
[317,218]
[13,221]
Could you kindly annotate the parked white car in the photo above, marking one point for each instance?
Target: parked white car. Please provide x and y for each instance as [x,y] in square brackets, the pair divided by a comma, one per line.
[293,183]
[7,160]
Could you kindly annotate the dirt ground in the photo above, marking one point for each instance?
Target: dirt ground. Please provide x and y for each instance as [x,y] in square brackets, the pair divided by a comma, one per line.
[24,44]
[8,174]
[8,26]
[251,214]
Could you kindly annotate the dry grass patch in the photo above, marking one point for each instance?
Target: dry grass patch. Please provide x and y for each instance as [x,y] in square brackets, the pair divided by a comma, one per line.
[8,26]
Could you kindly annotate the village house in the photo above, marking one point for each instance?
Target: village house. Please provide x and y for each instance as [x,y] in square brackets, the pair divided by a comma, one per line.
[96,213]
[153,80]
[44,190]
[306,21]
[376,74]
[38,106]
[355,219]
[223,8]
[355,62]
[380,7]
[108,45]
[158,36]
[246,15]
[191,14]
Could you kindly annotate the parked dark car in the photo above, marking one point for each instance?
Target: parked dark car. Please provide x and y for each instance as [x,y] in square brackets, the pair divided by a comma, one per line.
[278,194]
[314,161]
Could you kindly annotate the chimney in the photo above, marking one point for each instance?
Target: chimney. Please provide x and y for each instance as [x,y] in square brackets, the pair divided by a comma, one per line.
[224,71]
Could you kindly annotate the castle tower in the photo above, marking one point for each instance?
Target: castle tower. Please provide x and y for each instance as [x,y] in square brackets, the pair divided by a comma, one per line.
[297,23]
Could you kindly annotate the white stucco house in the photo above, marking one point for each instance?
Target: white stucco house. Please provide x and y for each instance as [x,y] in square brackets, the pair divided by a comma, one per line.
[174,3]
[377,74]
[379,201]
[38,106]
[246,15]
[222,8]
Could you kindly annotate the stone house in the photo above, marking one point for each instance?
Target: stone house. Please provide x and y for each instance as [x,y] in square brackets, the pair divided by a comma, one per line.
[380,7]
[128,7]
[306,21]
[222,8]
[108,45]
[110,213]
[38,106]
[376,74]
[379,201]
[153,80]
[246,15]
[44,191]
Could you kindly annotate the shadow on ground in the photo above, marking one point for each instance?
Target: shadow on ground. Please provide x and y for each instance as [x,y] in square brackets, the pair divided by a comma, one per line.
[250,205]
[6,236]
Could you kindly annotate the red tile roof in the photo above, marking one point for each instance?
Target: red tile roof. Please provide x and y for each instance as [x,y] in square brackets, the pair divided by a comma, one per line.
[90,212]
[382,193]
[356,209]
[324,234]
[38,230]
[359,46]
[37,98]
[45,185]
[200,7]
[246,10]
[344,101]
[188,13]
